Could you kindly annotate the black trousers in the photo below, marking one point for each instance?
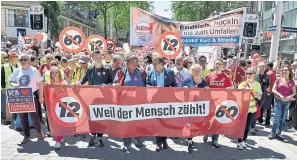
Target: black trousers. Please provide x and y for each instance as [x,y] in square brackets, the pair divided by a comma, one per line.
[250,118]
[294,118]
[160,140]
[34,116]
[266,106]
[97,134]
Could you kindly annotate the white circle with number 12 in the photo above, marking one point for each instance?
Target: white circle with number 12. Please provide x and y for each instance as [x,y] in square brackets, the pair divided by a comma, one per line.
[75,36]
[96,41]
[233,109]
[64,115]
[166,47]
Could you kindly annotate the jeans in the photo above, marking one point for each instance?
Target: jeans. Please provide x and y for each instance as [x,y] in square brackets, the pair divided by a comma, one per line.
[280,111]
[250,119]
[17,122]
[128,141]
[3,104]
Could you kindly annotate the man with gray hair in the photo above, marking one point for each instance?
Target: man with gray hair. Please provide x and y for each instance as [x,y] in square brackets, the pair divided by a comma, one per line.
[116,65]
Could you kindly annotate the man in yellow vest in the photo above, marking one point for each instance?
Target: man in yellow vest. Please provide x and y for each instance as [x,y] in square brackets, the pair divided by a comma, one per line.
[81,70]
[202,62]
[6,71]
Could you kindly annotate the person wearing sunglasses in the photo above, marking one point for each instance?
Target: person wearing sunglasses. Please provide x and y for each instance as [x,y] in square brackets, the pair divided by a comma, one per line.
[202,62]
[284,90]
[180,72]
[97,75]
[255,86]
[160,76]
[187,63]
[217,79]
[28,77]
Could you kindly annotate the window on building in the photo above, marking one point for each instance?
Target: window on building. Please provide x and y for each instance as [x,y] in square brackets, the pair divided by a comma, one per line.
[17,18]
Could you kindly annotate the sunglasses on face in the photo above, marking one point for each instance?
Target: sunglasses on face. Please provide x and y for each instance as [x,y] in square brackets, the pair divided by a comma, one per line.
[285,70]
[202,60]
[49,58]
[54,64]
[249,73]
[190,62]
[23,60]
[55,72]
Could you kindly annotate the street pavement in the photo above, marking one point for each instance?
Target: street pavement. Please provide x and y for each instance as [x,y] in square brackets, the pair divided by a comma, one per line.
[259,147]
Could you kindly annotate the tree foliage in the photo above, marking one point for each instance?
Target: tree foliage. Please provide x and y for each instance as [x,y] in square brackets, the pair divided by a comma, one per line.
[120,10]
[121,15]
[52,11]
[199,10]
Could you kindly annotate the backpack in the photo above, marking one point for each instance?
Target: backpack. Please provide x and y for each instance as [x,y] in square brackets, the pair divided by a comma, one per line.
[122,75]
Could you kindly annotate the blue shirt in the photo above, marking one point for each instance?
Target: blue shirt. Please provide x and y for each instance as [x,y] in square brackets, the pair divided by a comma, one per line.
[133,79]
[160,78]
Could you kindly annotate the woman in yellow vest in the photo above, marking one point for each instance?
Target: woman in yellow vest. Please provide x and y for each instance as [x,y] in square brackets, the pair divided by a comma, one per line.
[255,86]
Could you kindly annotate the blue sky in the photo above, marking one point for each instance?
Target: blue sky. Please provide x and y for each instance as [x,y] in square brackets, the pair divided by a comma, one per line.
[162,8]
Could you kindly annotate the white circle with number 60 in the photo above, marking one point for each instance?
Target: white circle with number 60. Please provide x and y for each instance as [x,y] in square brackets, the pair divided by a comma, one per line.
[73,112]
[229,106]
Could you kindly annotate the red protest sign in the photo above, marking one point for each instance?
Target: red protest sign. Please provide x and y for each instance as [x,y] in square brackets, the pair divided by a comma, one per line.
[95,42]
[111,44]
[67,111]
[181,113]
[170,45]
[72,39]
[20,100]
[29,40]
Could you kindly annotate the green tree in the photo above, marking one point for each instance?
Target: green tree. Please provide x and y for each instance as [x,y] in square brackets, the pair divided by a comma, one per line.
[121,15]
[52,12]
[199,10]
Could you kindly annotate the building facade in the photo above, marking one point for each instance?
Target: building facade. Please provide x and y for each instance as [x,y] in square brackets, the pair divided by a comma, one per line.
[15,19]
[82,19]
[288,40]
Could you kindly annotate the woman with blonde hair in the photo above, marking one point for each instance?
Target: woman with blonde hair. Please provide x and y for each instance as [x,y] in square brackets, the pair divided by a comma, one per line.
[194,81]
[56,79]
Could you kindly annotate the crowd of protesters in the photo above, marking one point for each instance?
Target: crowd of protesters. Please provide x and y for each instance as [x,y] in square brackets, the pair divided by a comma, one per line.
[272,84]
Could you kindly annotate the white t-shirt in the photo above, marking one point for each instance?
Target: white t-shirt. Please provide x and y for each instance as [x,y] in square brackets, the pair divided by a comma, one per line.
[29,78]
[181,76]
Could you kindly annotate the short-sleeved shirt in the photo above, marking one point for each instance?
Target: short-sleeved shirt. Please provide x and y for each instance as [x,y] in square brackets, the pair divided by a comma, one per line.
[256,86]
[285,89]
[218,80]
[238,73]
[27,78]
[181,76]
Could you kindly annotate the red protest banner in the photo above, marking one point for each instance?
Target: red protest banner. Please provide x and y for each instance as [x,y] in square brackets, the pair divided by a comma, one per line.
[20,100]
[139,111]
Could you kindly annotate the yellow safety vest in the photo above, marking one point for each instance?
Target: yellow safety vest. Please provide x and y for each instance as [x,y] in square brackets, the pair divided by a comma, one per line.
[47,76]
[8,73]
[205,72]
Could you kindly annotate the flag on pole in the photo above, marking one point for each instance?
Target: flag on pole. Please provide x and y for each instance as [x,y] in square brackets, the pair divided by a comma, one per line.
[21,44]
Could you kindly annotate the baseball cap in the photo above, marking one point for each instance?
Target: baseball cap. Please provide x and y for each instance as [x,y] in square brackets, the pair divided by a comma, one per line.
[64,59]
[83,59]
